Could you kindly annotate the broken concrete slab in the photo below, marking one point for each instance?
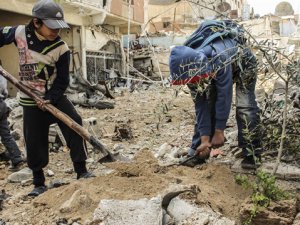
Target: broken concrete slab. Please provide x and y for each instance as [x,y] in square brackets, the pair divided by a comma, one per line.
[184,212]
[284,171]
[129,212]
[175,190]
[22,175]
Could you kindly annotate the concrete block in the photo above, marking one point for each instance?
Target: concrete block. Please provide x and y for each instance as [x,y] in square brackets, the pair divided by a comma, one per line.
[22,175]
[129,212]
[184,212]
[284,171]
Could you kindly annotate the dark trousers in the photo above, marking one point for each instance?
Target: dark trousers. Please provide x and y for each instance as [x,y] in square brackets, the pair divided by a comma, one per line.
[207,100]
[36,129]
[7,140]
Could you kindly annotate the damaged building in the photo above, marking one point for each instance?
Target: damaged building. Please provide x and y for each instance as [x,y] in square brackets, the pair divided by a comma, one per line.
[186,15]
[280,29]
[94,39]
[169,23]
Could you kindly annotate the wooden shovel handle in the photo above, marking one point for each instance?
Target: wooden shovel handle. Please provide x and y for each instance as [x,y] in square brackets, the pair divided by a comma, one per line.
[57,113]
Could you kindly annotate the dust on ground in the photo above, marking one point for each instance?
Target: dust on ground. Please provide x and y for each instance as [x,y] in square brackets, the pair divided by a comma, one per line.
[156,116]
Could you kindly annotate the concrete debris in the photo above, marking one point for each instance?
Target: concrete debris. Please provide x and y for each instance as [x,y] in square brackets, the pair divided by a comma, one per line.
[284,171]
[91,121]
[96,101]
[150,211]
[17,112]
[82,92]
[57,183]
[50,173]
[75,223]
[118,147]
[175,190]
[129,212]
[169,155]
[183,212]
[25,183]
[20,176]
[12,103]
[90,160]
[163,149]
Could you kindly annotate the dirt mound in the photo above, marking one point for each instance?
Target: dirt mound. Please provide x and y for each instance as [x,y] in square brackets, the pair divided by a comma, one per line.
[139,179]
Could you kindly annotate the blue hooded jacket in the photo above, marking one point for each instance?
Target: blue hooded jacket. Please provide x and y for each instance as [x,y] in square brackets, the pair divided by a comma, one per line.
[188,65]
[217,58]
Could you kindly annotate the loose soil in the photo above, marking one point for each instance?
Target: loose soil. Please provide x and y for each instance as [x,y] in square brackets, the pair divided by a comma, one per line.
[155,116]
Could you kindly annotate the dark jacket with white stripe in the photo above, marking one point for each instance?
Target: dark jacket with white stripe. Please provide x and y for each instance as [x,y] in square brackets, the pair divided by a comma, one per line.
[43,65]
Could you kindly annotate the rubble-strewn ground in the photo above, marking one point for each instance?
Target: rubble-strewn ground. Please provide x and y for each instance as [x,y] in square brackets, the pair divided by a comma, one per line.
[155,117]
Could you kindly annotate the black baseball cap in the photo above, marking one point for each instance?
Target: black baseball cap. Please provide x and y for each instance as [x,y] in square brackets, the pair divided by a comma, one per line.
[50,13]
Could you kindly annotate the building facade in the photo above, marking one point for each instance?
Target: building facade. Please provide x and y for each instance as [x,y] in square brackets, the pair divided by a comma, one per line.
[178,16]
[95,36]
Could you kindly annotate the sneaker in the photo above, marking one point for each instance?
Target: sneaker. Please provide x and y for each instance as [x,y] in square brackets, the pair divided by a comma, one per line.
[191,161]
[37,191]
[17,166]
[85,175]
[250,162]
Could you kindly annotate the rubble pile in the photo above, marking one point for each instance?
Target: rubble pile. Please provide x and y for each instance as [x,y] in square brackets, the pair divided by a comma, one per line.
[83,93]
[153,129]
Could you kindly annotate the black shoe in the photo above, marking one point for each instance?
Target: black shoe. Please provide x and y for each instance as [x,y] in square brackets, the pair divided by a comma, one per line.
[191,161]
[16,166]
[251,162]
[38,190]
[85,175]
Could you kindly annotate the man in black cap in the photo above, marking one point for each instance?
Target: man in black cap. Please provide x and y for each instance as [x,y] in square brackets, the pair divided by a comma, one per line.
[44,67]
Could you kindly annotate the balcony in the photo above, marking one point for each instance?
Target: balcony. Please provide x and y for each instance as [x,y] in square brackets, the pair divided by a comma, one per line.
[98,4]
[88,10]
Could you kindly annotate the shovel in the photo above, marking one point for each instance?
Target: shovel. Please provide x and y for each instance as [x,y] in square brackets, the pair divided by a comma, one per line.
[97,146]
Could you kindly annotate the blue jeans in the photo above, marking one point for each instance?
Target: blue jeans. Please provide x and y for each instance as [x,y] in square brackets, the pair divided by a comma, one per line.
[247,116]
